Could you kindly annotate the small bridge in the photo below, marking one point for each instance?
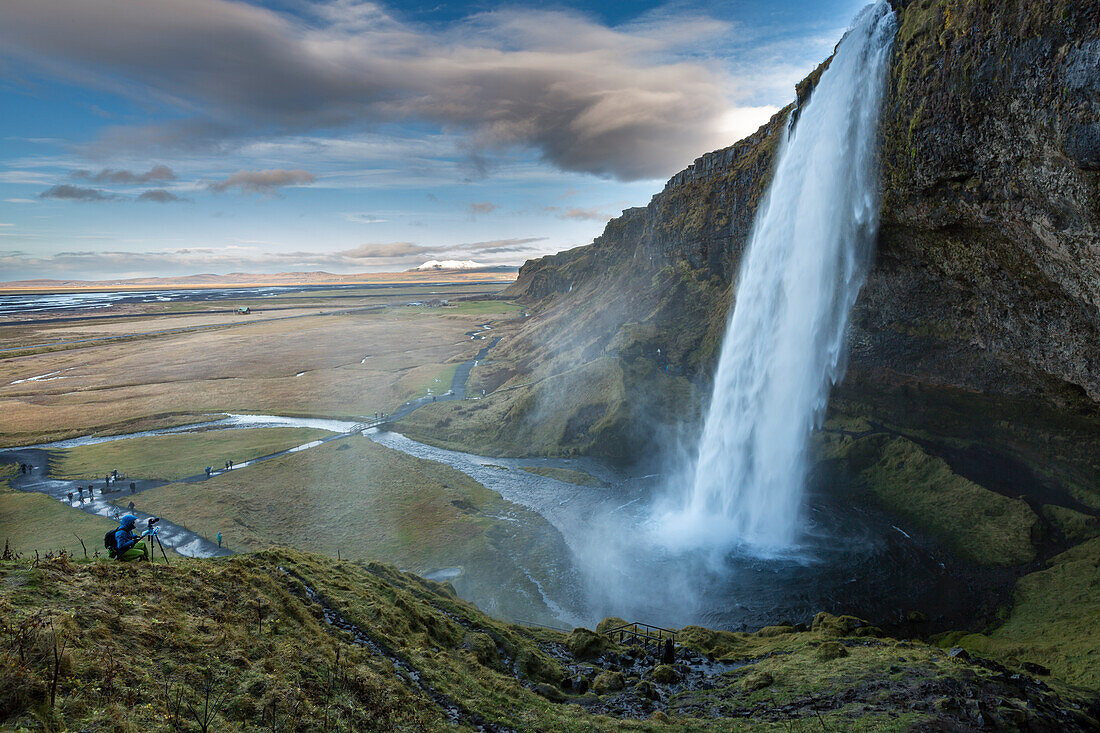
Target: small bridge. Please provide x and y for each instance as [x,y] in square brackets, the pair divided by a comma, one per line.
[641,634]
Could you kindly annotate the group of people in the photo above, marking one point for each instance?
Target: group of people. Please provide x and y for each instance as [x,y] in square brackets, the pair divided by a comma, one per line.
[210,469]
[25,468]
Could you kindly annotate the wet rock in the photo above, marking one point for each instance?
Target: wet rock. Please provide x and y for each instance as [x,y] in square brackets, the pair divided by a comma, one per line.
[646,690]
[606,682]
[830,650]
[578,684]
[550,692]
[664,674]
[757,681]
[1034,668]
[958,652]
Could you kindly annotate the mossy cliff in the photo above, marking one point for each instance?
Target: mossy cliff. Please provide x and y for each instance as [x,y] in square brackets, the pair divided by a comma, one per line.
[287,641]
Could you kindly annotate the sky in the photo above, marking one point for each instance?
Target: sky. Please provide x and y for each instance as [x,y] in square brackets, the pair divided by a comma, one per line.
[171,137]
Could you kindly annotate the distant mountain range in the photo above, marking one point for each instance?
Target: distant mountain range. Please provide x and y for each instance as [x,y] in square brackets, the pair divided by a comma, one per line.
[428,272]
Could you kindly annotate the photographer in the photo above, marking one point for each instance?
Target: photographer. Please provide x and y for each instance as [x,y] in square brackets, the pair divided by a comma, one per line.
[127,545]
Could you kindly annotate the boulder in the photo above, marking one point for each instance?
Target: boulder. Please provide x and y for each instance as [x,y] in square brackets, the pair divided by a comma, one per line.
[550,692]
[606,682]
[830,650]
[587,644]
[664,674]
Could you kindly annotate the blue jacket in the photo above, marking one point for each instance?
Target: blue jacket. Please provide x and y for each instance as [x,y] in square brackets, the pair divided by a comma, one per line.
[125,539]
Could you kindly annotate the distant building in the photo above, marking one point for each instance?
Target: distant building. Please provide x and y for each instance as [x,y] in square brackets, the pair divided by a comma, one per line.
[244,310]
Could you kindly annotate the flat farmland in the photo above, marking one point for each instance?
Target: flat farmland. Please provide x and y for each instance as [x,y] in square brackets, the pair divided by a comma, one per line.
[346,364]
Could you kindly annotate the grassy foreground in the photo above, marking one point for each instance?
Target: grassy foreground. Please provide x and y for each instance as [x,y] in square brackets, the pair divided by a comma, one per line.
[172,457]
[98,646]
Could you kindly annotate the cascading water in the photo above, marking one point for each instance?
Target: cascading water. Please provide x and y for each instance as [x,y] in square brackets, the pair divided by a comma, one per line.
[784,346]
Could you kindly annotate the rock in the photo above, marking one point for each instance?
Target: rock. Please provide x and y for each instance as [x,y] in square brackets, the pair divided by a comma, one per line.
[958,653]
[586,644]
[550,692]
[916,617]
[646,690]
[578,684]
[827,624]
[757,681]
[778,630]
[660,717]
[606,682]
[664,674]
[830,650]
[1036,669]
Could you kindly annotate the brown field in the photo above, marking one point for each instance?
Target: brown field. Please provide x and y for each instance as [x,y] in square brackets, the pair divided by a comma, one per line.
[351,365]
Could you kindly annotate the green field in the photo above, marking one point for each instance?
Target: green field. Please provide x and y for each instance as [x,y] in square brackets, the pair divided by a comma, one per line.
[355,499]
[32,522]
[440,383]
[172,457]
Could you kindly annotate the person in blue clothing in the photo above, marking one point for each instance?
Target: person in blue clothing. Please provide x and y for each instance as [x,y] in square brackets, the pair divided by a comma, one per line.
[127,544]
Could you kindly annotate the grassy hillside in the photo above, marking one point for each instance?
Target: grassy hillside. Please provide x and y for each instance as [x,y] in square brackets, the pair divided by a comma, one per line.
[282,640]
[30,522]
[356,499]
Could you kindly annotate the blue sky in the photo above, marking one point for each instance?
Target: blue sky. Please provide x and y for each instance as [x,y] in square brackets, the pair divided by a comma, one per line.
[171,137]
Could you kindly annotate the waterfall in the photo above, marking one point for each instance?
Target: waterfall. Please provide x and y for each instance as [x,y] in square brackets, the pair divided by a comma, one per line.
[784,345]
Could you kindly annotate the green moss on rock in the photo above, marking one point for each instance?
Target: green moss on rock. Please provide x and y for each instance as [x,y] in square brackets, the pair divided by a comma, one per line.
[981,526]
[606,682]
[586,644]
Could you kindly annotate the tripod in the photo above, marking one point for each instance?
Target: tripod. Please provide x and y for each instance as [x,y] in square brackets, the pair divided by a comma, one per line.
[152,554]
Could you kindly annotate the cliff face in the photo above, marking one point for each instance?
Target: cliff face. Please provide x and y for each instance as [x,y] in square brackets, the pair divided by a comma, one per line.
[988,272]
[983,305]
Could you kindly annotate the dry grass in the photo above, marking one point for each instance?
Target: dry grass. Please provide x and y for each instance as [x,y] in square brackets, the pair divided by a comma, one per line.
[248,368]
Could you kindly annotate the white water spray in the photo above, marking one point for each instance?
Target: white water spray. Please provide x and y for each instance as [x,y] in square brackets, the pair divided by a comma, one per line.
[784,347]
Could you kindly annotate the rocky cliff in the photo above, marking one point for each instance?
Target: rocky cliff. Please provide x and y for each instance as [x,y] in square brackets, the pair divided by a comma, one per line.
[977,335]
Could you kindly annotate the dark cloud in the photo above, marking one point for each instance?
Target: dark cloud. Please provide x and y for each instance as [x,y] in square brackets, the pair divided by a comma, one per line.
[610,101]
[107,175]
[160,196]
[266,182]
[68,192]
[484,208]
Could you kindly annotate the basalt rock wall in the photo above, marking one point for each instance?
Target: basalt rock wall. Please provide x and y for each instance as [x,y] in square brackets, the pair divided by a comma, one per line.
[987,273]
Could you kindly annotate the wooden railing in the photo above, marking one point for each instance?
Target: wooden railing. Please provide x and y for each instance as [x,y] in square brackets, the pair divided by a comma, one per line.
[644,634]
